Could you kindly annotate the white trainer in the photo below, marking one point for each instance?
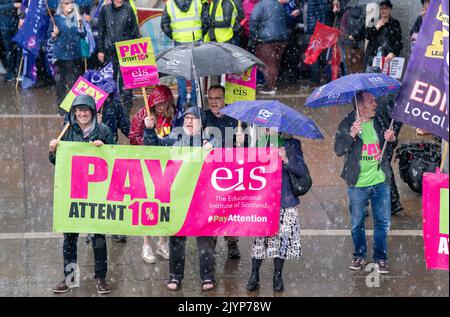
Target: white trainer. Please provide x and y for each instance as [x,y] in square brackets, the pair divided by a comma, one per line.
[163,250]
[147,254]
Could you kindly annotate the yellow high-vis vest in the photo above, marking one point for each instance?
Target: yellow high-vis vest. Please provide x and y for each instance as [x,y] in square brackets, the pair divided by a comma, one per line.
[222,34]
[186,26]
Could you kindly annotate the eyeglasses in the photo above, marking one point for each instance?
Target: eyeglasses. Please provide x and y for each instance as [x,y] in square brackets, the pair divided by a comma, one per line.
[189,118]
[215,98]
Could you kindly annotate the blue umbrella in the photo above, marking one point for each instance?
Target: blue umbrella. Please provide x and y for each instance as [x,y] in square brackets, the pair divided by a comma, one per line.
[274,114]
[342,91]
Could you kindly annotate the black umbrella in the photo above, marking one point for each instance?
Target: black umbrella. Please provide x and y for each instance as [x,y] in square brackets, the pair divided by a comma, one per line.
[208,59]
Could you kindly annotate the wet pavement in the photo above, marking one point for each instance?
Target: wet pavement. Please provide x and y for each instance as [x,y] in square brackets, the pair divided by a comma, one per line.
[31,255]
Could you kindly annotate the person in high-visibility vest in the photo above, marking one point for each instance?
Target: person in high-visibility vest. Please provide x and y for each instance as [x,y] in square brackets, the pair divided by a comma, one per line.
[185,21]
[225,22]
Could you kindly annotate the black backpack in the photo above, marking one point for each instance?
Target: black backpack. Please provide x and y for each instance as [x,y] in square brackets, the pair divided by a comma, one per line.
[300,184]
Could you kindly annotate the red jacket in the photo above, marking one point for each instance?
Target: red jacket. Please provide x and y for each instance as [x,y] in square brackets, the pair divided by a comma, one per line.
[136,135]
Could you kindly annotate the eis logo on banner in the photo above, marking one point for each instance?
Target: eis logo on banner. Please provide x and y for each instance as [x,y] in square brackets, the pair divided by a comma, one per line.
[224,179]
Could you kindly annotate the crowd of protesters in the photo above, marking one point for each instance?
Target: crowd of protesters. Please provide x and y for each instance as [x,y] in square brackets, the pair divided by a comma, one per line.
[277,32]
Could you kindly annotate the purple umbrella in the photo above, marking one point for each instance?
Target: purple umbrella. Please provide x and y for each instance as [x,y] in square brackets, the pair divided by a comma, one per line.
[274,114]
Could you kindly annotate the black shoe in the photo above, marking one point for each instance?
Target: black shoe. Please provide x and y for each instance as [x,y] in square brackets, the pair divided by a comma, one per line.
[278,285]
[115,238]
[233,250]
[396,208]
[357,264]
[102,286]
[89,238]
[61,288]
[268,91]
[382,267]
[253,282]
[119,238]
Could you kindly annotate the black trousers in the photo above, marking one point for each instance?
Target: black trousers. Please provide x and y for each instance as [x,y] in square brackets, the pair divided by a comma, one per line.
[67,73]
[395,195]
[206,252]
[100,253]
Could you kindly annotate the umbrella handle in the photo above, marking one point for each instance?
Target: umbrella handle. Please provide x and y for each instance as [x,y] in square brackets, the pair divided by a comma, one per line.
[239,131]
[384,145]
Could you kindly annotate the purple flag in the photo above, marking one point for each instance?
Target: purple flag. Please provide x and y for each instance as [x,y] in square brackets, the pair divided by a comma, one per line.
[29,71]
[34,29]
[422,101]
[49,58]
[446,56]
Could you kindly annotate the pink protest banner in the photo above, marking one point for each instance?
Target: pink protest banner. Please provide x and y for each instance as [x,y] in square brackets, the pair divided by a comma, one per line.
[137,63]
[435,202]
[84,87]
[164,191]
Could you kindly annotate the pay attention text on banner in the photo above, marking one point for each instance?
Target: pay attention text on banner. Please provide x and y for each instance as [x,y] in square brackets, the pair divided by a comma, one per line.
[137,63]
[164,191]
[84,87]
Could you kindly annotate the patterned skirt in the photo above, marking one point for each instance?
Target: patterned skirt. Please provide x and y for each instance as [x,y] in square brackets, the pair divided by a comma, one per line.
[286,245]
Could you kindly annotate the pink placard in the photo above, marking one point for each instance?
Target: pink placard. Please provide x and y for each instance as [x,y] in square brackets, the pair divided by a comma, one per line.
[247,79]
[139,76]
[435,220]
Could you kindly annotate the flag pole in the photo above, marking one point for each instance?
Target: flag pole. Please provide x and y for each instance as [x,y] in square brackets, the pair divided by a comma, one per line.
[444,155]
[63,131]
[50,13]
[18,73]
[385,142]
[147,108]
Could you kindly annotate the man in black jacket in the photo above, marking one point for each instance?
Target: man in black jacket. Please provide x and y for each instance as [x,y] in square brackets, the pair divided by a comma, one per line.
[360,139]
[385,37]
[224,126]
[83,128]
[116,23]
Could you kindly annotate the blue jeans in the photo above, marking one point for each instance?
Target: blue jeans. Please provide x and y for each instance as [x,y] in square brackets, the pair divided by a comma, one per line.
[182,90]
[380,199]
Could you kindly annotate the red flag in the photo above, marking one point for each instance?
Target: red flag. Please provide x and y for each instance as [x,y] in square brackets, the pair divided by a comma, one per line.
[335,62]
[323,37]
